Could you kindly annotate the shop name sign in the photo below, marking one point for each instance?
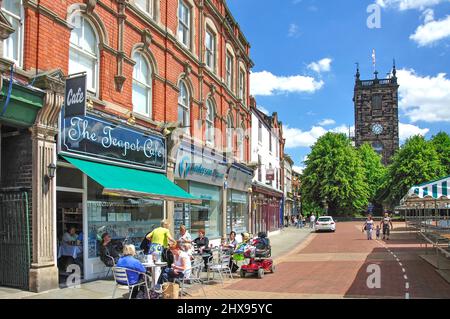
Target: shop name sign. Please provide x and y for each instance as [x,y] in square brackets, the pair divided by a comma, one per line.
[185,168]
[102,140]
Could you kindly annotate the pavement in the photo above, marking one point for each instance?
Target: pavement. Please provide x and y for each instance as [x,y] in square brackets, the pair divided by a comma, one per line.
[340,265]
[282,243]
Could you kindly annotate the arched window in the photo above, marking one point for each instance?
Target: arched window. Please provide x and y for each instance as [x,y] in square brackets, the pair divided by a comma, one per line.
[183,105]
[241,143]
[210,115]
[229,68]
[230,128]
[210,49]
[13,45]
[83,51]
[142,85]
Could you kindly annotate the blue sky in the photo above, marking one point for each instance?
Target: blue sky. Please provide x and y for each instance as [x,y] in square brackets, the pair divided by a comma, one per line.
[305,53]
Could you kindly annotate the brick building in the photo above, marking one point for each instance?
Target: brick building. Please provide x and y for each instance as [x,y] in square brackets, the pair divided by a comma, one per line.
[173,71]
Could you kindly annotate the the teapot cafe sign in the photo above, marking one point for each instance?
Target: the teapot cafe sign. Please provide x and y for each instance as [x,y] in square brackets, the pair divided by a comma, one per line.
[94,137]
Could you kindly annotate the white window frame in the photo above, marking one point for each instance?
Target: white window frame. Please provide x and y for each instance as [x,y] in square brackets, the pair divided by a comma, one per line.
[83,52]
[242,85]
[210,115]
[150,8]
[229,67]
[185,108]
[147,87]
[210,52]
[230,128]
[182,24]
[21,22]
[241,144]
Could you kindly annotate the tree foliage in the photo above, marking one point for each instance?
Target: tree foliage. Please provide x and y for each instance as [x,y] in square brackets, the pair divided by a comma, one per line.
[416,162]
[374,171]
[441,143]
[334,171]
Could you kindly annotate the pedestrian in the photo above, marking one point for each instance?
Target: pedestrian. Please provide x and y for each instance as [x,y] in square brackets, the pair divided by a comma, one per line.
[378,232]
[312,221]
[386,223]
[368,227]
[295,221]
[300,221]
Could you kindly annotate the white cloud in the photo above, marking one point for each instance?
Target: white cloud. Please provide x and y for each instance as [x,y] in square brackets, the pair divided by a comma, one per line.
[432,30]
[298,169]
[428,15]
[320,66]
[297,138]
[405,131]
[263,109]
[326,122]
[409,4]
[294,31]
[424,98]
[266,83]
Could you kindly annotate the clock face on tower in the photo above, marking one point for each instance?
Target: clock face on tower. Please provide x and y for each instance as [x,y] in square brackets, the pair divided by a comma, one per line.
[377,129]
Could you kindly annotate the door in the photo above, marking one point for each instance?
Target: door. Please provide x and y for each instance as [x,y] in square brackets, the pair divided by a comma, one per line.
[15,246]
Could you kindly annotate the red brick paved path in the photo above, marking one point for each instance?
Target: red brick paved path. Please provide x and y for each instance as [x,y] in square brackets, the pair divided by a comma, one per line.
[334,265]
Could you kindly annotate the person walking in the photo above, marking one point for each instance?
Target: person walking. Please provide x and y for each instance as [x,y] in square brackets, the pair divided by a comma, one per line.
[312,221]
[386,224]
[368,227]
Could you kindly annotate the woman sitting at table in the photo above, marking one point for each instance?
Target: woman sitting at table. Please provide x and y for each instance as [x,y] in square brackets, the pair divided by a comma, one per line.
[70,237]
[107,251]
[185,237]
[231,242]
[181,267]
[202,244]
[128,261]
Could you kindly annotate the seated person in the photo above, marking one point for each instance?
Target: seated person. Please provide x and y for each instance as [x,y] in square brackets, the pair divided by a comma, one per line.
[181,267]
[231,242]
[262,245]
[107,251]
[202,244]
[70,237]
[129,262]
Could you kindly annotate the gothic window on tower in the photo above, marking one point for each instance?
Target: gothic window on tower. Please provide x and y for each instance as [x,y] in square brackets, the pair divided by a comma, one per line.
[376,102]
[378,147]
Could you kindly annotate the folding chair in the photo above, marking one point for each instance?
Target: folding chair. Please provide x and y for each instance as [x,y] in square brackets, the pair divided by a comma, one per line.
[120,274]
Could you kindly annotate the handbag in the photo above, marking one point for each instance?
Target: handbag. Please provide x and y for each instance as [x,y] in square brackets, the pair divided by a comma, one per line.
[170,290]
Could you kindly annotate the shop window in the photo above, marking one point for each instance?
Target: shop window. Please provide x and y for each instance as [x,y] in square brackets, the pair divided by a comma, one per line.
[69,177]
[184,23]
[13,45]
[142,85]
[183,105]
[237,211]
[127,220]
[83,51]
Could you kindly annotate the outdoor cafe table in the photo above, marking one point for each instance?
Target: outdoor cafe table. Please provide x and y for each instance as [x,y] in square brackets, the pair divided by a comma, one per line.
[154,267]
[69,250]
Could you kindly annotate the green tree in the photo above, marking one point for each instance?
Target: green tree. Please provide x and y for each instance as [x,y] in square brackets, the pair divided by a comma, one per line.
[441,143]
[335,172]
[416,162]
[374,171]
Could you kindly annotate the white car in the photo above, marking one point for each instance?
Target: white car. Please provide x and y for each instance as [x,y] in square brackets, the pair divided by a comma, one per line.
[325,223]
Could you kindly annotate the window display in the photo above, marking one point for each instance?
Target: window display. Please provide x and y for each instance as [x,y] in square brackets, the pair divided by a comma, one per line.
[237,211]
[126,220]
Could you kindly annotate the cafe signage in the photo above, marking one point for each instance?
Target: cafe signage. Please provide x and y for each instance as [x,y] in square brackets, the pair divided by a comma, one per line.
[75,96]
[100,140]
[270,174]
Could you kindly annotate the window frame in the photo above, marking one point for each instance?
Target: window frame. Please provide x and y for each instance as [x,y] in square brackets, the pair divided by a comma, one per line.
[229,70]
[147,87]
[185,108]
[229,133]
[182,24]
[211,51]
[242,85]
[210,125]
[95,57]
[150,10]
[241,144]
[21,34]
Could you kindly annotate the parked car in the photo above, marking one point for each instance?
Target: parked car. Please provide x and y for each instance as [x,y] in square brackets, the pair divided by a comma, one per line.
[325,223]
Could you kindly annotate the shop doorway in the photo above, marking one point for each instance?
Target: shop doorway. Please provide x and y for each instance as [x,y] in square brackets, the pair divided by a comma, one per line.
[69,213]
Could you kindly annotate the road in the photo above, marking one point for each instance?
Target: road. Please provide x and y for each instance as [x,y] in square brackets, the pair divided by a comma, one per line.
[335,265]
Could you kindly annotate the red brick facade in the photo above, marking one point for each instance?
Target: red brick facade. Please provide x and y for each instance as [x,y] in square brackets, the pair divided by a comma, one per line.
[121,29]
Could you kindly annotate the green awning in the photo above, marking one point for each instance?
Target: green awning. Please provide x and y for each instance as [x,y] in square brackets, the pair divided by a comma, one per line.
[128,182]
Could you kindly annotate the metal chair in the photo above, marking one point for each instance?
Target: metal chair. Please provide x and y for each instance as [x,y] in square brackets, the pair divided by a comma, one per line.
[121,275]
[110,267]
[194,278]
[222,267]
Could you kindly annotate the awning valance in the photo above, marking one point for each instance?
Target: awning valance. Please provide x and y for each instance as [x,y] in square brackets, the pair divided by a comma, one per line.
[128,182]
[430,191]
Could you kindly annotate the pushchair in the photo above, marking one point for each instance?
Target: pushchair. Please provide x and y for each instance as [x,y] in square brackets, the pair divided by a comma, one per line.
[259,253]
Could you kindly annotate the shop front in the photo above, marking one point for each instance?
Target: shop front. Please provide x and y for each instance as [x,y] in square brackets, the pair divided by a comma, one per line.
[200,172]
[239,181]
[266,209]
[110,179]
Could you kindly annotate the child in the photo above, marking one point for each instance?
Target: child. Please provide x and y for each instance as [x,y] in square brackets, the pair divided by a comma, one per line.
[378,231]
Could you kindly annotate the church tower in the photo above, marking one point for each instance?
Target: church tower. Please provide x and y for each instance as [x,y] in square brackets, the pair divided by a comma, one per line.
[376,114]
